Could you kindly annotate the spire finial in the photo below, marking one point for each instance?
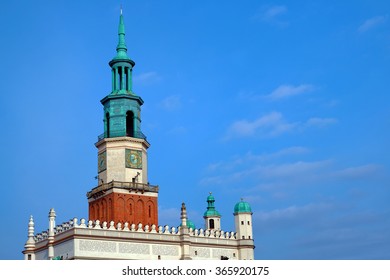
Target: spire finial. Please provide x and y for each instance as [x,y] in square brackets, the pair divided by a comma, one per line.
[121,48]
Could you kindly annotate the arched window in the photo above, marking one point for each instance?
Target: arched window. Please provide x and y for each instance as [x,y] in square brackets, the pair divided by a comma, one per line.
[130,123]
[211,224]
[107,125]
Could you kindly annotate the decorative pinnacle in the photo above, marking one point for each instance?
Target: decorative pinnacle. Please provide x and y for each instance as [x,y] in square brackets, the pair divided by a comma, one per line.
[30,244]
[183,211]
[31,228]
[183,215]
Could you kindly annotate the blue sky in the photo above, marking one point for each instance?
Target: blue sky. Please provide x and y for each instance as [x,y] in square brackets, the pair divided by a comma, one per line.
[284,104]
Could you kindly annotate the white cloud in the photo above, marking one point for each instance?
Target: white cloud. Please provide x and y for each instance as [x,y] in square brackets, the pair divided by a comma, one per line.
[272,124]
[292,212]
[177,130]
[171,103]
[297,169]
[274,11]
[271,174]
[146,78]
[285,91]
[320,122]
[249,159]
[358,172]
[272,14]
[371,23]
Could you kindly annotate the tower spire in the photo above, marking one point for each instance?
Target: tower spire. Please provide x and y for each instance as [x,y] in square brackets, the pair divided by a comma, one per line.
[121,48]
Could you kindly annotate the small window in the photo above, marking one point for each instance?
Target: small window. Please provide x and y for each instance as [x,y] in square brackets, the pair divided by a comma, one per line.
[249,237]
[29,257]
[242,222]
[243,237]
[196,253]
[159,257]
[249,223]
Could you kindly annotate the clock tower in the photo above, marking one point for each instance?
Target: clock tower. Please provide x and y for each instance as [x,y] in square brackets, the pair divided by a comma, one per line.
[123,193]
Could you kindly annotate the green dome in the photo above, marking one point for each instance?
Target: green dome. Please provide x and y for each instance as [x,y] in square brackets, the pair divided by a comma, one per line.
[190,224]
[211,211]
[242,207]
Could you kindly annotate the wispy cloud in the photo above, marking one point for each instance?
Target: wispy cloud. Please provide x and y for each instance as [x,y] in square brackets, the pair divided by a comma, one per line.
[274,11]
[272,125]
[268,125]
[320,122]
[280,93]
[285,91]
[177,131]
[278,217]
[253,159]
[171,103]
[358,172]
[291,173]
[147,78]
[272,14]
[372,22]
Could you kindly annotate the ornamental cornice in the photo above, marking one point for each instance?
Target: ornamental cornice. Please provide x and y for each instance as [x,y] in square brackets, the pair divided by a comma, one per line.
[123,139]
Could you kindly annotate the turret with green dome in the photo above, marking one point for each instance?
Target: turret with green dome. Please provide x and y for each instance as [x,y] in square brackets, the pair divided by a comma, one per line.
[212,216]
[242,207]
[211,211]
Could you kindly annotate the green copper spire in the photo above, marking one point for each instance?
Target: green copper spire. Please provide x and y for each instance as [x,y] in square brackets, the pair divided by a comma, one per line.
[121,48]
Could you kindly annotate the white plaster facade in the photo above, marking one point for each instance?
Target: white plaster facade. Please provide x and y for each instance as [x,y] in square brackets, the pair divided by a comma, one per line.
[96,240]
[116,170]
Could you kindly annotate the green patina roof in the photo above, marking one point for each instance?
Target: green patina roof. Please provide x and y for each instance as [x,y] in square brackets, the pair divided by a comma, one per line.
[211,211]
[242,207]
[190,224]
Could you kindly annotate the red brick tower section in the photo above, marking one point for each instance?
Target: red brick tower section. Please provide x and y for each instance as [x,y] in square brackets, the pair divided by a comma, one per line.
[124,202]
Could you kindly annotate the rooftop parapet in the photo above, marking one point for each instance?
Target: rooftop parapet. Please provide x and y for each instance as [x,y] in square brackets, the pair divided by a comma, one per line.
[153,229]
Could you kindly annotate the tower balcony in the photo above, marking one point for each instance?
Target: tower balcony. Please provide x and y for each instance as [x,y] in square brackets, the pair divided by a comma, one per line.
[135,134]
[129,186]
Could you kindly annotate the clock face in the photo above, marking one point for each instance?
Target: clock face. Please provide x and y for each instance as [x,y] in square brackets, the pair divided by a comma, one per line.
[133,159]
[102,162]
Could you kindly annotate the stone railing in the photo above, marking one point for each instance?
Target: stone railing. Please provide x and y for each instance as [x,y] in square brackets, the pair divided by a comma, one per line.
[97,225]
[130,186]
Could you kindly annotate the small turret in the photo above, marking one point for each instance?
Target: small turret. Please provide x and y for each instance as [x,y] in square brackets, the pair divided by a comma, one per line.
[243,220]
[212,216]
[244,232]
